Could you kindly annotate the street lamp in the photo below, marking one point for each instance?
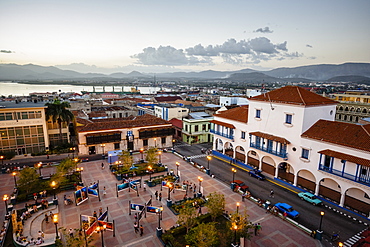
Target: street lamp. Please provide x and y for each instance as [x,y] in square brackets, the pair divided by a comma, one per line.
[73,152]
[159,213]
[169,184]
[173,143]
[55,220]
[237,207]
[103,146]
[5,199]
[200,179]
[208,158]
[80,170]
[235,229]
[177,168]
[101,231]
[340,244]
[159,156]
[53,184]
[322,215]
[142,154]
[233,171]
[155,142]
[150,173]
[2,160]
[39,165]
[15,180]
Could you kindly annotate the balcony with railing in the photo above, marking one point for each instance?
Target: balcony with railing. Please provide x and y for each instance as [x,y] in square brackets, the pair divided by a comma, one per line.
[231,137]
[280,154]
[357,179]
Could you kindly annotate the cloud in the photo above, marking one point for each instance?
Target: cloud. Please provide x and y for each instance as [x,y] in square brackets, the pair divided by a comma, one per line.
[309,46]
[166,55]
[231,51]
[263,30]
[6,51]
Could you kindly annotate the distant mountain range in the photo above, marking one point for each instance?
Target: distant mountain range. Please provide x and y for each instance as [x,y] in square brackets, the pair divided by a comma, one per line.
[347,72]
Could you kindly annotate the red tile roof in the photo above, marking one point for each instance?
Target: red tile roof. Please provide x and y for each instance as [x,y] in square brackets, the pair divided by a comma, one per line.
[270,137]
[347,157]
[176,122]
[345,134]
[294,95]
[239,114]
[223,124]
[116,123]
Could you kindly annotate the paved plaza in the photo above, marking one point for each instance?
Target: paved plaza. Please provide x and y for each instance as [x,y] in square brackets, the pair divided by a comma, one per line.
[275,231]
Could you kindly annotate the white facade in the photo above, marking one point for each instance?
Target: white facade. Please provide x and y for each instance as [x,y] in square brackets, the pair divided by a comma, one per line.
[167,113]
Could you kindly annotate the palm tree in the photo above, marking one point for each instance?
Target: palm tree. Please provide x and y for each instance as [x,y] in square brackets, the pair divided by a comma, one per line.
[58,112]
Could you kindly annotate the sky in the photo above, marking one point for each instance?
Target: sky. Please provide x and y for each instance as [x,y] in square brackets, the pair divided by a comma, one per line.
[165,35]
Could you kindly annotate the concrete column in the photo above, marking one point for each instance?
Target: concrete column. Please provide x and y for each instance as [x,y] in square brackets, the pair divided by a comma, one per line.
[342,197]
[295,179]
[317,188]
[276,171]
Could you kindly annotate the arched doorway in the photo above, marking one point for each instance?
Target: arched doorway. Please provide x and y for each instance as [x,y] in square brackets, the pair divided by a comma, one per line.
[330,189]
[286,172]
[358,200]
[240,154]
[229,149]
[253,159]
[268,165]
[219,145]
[307,180]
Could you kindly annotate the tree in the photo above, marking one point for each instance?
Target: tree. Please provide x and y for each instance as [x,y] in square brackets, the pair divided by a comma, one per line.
[242,223]
[126,159]
[28,179]
[215,205]
[75,241]
[58,112]
[66,167]
[203,235]
[187,217]
[151,156]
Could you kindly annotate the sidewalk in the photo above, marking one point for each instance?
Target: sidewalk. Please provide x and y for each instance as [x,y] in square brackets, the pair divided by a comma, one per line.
[275,231]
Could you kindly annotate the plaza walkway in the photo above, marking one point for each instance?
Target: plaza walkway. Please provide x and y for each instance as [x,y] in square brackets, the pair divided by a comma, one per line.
[275,231]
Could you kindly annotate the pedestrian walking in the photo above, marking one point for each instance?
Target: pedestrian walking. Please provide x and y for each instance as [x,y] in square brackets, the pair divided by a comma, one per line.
[259,228]
[255,230]
[144,186]
[243,196]
[70,232]
[195,188]
[141,230]
[136,227]
[272,193]
[46,218]
[160,196]
[104,191]
[100,211]
[156,195]
[95,214]
[135,217]
[102,166]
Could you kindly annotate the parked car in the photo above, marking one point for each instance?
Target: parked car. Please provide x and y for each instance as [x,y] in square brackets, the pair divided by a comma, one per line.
[310,198]
[284,207]
[85,159]
[257,174]
[240,185]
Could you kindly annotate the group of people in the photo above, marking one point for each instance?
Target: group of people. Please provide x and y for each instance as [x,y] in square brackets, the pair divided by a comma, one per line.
[158,196]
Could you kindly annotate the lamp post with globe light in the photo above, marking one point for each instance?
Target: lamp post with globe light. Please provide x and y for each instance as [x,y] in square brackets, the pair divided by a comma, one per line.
[15,179]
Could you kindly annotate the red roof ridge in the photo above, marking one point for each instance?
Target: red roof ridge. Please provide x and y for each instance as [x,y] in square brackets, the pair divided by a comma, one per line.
[300,95]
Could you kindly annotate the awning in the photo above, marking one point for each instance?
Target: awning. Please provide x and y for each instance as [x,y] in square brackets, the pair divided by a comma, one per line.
[104,133]
[346,157]
[223,124]
[270,137]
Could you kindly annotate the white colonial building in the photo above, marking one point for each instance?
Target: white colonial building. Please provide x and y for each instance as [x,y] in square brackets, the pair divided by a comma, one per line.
[290,133]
